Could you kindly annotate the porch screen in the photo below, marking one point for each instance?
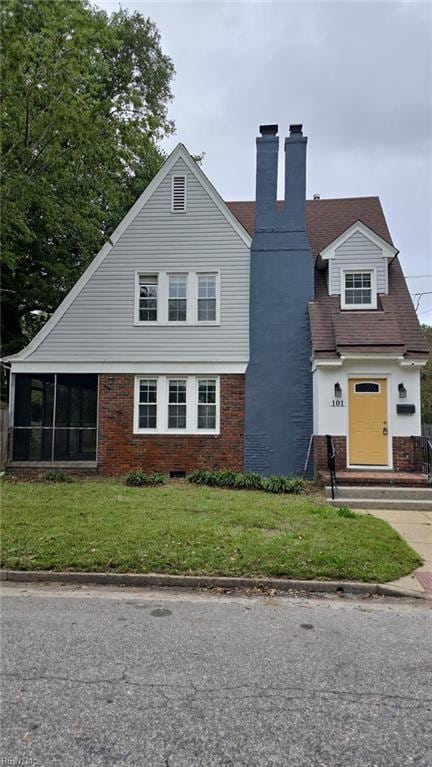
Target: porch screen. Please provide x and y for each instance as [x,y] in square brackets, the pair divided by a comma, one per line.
[55,418]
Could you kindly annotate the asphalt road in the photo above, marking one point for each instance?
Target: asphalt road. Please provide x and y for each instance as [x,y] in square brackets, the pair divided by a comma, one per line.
[95,677]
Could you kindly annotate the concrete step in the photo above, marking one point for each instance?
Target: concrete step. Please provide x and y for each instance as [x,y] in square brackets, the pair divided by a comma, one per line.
[381,491]
[381,503]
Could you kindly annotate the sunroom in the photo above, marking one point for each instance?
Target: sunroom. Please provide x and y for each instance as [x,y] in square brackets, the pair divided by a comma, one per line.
[54,418]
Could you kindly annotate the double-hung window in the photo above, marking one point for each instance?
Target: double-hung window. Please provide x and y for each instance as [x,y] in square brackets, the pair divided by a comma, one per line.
[177,298]
[206,298]
[147,403]
[206,403]
[148,297]
[176,404]
[358,290]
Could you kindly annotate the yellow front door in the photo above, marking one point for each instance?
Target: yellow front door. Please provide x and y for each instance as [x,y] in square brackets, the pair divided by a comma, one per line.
[368,428]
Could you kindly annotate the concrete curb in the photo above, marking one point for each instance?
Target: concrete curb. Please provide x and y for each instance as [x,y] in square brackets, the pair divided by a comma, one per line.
[207,582]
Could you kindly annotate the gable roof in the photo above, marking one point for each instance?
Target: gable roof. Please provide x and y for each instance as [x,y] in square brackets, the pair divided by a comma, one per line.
[180,152]
[387,250]
[326,220]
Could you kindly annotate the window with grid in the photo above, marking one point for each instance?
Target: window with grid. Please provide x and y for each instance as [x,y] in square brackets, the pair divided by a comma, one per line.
[147,405]
[358,288]
[206,298]
[177,300]
[148,297]
[206,403]
[177,404]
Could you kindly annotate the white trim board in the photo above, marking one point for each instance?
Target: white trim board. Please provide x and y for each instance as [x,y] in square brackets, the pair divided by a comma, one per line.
[153,368]
[180,152]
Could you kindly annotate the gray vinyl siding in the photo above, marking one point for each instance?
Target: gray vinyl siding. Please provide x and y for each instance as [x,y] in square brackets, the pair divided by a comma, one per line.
[99,324]
[358,252]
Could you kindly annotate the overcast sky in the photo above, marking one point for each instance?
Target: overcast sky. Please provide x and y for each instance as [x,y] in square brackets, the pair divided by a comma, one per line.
[358,75]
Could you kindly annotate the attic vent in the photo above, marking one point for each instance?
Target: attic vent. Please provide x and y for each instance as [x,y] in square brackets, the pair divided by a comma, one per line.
[178,194]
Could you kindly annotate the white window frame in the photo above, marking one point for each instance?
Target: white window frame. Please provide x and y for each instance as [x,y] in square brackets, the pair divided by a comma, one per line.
[216,275]
[359,307]
[188,291]
[162,404]
[146,273]
[197,380]
[163,296]
[137,429]
[171,430]
[183,176]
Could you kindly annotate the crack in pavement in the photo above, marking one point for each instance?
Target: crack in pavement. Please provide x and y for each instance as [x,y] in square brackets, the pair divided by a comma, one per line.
[252,690]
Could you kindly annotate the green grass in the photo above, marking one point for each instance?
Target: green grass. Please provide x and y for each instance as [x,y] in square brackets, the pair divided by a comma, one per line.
[178,528]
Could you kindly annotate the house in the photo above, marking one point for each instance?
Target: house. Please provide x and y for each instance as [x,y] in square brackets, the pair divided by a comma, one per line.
[214,334]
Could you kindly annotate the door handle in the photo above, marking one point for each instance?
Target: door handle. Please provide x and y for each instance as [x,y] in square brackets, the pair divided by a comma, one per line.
[385,429]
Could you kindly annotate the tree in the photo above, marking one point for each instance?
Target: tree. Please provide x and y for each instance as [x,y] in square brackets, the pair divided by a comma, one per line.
[84,103]
[426,379]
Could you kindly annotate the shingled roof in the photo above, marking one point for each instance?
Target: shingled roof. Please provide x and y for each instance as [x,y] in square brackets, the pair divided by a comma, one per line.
[393,326]
[326,219]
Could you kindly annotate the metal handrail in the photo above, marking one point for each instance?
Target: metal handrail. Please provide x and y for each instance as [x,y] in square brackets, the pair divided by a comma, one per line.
[429,458]
[331,463]
[422,456]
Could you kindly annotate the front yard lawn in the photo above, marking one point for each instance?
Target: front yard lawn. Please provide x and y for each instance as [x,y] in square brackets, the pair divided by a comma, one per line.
[178,528]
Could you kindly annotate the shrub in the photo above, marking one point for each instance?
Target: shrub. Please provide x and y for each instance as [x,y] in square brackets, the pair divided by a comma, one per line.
[247,481]
[278,484]
[56,476]
[141,479]
[344,511]
[251,481]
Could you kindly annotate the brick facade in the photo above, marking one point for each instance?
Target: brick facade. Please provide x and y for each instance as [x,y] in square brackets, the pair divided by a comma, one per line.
[120,450]
[404,454]
[320,453]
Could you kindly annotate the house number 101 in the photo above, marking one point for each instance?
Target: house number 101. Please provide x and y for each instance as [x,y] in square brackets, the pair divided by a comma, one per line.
[338,403]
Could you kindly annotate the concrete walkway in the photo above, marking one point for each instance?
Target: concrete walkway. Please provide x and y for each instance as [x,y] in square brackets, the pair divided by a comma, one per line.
[416,528]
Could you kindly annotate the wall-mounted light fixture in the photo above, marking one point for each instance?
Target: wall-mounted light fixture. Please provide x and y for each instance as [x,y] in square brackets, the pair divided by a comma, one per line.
[402,391]
[338,390]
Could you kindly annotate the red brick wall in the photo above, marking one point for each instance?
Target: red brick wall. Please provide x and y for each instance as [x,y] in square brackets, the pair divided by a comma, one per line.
[403,453]
[320,452]
[120,450]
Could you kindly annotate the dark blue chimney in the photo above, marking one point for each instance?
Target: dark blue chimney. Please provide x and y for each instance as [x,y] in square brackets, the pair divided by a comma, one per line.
[279,377]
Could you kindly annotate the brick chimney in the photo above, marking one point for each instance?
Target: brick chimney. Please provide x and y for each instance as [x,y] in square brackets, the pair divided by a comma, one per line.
[279,377]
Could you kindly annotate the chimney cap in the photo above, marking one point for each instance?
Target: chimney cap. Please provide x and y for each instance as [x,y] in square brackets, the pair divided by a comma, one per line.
[296,128]
[268,130]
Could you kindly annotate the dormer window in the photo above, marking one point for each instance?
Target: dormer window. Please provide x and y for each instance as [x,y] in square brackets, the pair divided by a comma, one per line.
[178,194]
[359,291]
